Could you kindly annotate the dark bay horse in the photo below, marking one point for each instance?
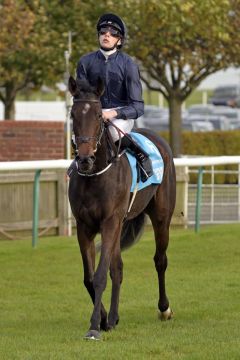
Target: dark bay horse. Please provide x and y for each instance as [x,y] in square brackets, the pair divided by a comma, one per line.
[99,194]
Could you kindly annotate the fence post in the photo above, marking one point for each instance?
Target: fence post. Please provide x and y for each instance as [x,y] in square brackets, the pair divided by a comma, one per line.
[35,208]
[180,215]
[198,200]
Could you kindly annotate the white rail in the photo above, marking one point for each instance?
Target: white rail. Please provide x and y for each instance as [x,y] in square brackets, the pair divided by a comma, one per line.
[39,165]
[34,165]
[206,161]
[64,164]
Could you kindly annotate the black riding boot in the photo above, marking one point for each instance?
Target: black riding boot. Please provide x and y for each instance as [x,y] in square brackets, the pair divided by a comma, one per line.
[145,163]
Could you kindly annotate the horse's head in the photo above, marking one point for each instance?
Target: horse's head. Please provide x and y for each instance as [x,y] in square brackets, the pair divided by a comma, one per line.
[87,119]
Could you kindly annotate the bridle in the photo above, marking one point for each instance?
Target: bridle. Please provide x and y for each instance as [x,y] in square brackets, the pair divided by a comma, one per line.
[87,139]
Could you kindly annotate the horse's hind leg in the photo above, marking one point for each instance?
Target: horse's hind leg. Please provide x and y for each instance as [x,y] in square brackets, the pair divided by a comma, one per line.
[87,248]
[116,273]
[161,231]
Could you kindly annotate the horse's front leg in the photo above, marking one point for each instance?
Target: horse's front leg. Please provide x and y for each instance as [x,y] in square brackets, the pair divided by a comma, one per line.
[111,229]
[87,248]
[116,273]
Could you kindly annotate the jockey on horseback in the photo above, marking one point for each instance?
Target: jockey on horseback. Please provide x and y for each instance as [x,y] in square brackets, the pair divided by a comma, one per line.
[122,98]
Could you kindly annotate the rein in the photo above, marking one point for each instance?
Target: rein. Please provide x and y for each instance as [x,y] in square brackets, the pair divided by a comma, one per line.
[101,171]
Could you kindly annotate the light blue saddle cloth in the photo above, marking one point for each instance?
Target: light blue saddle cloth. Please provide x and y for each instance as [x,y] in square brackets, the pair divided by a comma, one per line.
[155,156]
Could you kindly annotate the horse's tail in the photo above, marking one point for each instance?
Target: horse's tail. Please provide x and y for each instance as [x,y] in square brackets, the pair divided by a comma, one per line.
[132,231]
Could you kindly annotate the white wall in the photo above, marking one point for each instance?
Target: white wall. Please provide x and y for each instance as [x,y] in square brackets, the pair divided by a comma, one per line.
[38,110]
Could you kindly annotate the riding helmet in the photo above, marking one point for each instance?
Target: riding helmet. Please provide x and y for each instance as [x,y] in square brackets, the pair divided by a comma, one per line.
[115,22]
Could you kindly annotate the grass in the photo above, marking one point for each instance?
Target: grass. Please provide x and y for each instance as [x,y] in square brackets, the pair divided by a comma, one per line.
[45,309]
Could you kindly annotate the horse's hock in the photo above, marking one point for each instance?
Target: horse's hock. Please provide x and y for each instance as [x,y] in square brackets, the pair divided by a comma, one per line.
[180,215]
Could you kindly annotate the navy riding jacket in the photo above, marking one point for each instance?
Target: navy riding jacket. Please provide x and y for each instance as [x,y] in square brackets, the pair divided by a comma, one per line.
[121,79]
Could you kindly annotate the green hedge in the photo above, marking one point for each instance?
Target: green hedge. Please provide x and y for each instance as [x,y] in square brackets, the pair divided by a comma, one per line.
[214,143]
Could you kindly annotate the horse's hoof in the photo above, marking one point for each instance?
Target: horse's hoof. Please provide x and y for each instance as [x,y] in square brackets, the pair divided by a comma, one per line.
[166,315]
[92,335]
[112,325]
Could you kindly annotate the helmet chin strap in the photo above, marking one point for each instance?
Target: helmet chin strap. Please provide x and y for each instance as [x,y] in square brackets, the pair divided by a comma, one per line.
[109,49]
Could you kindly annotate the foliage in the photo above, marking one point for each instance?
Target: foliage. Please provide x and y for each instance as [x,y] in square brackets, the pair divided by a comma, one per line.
[45,309]
[179,43]
[214,143]
[34,36]
[22,38]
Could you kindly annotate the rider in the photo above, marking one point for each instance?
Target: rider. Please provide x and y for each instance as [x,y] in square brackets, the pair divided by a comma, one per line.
[122,99]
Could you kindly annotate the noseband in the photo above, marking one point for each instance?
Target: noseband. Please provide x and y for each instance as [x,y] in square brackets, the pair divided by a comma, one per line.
[87,139]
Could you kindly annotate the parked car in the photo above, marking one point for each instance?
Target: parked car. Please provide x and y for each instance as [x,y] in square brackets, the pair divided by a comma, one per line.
[227,96]
[219,122]
[154,118]
[201,109]
[157,119]
[233,115]
[235,126]
[197,126]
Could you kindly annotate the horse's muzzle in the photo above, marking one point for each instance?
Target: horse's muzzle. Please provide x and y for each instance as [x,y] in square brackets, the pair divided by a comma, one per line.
[85,163]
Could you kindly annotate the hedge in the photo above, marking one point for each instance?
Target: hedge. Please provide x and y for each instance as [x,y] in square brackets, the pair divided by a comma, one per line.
[214,143]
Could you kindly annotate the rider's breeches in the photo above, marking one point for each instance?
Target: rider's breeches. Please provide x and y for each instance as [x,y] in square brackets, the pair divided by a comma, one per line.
[124,125]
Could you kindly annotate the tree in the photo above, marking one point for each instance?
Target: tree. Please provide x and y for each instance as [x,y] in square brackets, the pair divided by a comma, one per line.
[33,38]
[179,43]
[11,45]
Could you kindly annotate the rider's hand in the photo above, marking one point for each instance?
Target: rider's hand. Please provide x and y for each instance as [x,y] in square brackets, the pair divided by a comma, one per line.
[109,115]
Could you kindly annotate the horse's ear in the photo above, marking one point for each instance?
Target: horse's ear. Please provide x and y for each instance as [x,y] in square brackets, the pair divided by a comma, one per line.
[100,87]
[72,86]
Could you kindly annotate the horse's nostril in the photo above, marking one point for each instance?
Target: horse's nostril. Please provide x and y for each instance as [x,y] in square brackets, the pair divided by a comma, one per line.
[86,159]
[85,163]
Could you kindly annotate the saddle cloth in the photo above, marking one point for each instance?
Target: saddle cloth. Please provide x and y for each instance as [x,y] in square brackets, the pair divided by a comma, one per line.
[155,156]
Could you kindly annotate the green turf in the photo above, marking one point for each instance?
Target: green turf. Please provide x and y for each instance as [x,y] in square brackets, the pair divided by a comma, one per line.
[45,309]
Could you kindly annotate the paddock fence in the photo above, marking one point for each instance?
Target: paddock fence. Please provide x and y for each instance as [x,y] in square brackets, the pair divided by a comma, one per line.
[33,195]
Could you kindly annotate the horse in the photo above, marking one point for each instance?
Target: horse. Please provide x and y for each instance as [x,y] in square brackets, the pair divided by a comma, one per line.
[99,195]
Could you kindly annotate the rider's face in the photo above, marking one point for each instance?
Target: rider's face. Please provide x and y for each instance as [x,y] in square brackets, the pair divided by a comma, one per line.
[108,39]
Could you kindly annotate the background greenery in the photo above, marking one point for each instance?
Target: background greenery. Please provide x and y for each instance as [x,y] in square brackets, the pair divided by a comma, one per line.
[150,97]
[213,143]
[177,44]
[45,309]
